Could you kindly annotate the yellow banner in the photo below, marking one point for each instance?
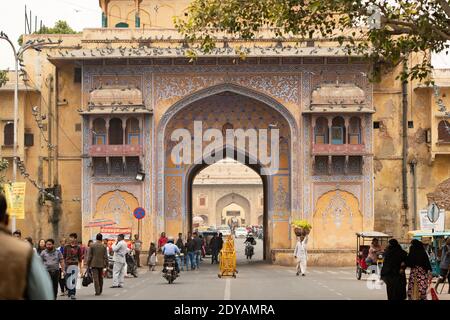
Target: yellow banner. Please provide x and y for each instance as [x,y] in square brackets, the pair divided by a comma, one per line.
[15,196]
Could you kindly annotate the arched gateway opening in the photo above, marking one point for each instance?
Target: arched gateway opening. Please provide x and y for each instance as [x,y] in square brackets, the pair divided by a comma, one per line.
[183,135]
[232,198]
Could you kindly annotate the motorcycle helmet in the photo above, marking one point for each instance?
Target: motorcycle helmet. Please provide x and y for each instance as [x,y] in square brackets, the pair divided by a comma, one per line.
[250,234]
[170,240]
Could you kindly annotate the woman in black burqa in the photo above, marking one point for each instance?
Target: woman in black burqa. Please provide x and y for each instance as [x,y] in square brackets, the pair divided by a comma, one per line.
[393,271]
[420,275]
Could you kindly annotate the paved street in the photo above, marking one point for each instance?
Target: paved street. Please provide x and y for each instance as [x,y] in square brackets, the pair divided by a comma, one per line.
[256,280]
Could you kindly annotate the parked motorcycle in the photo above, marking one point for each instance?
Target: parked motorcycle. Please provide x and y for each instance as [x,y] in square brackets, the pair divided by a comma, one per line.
[170,271]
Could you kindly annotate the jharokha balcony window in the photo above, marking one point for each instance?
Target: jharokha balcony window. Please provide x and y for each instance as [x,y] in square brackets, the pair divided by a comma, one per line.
[337,135]
[109,135]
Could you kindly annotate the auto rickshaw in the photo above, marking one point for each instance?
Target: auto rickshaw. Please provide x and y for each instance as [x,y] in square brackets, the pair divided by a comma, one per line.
[363,240]
[434,242]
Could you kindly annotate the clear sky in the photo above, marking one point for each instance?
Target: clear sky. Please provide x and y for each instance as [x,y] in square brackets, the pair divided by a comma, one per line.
[79,14]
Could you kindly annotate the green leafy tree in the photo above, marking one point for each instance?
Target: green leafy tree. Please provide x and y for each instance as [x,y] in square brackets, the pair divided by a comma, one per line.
[60,27]
[3,77]
[385,32]
[3,168]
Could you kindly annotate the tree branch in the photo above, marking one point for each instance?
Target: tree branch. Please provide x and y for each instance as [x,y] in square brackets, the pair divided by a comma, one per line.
[445,6]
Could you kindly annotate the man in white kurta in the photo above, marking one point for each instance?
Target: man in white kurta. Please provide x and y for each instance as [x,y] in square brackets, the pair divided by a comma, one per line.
[120,250]
[301,254]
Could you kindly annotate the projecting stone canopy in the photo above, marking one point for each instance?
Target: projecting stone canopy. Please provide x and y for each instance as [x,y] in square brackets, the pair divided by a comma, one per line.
[116,95]
[338,97]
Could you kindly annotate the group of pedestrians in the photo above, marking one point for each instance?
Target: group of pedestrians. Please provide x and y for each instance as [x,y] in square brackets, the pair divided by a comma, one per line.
[192,250]
[396,261]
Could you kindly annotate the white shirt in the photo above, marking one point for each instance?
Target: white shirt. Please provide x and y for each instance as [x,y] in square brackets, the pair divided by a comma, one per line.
[300,249]
[120,250]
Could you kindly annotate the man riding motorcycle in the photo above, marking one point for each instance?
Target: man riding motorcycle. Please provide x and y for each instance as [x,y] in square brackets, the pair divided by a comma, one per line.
[249,242]
[169,251]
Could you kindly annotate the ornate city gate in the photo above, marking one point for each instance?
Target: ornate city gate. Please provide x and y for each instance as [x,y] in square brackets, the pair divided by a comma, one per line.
[232,107]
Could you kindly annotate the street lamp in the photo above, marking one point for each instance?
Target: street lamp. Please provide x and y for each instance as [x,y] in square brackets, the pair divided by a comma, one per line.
[30,44]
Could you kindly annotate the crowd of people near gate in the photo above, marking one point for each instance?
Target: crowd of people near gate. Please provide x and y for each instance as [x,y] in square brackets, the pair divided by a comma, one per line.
[40,271]
[192,250]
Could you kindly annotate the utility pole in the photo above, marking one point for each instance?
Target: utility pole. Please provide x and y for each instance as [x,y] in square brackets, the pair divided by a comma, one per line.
[18,56]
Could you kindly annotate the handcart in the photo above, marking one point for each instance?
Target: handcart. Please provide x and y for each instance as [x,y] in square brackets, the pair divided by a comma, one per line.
[228,259]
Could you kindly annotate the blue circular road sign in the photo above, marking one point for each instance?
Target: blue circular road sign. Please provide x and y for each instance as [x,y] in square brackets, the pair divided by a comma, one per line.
[139,213]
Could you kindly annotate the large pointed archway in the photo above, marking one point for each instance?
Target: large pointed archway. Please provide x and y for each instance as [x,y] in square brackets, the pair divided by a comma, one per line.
[223,107]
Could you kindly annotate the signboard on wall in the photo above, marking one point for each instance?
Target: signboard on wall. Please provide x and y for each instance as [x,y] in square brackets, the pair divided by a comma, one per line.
[15,198]
[425,223]
[111,233]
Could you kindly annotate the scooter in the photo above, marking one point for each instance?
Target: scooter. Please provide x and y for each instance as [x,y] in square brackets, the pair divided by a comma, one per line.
[170,271]
[131,264]
[249,250]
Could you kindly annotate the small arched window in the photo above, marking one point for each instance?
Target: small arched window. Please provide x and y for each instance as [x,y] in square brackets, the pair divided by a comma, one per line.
[99,131]
[354,131]
[8,134]
[115,131]
[321,131]
[444,131]
[338,131]
[122,25]
[132,131]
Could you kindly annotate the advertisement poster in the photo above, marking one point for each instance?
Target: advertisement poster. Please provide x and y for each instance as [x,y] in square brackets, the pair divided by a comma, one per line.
[111,234]
[15,197]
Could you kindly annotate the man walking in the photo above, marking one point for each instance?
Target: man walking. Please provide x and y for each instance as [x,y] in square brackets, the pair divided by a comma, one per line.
[120,249]
[300,253]
[98,261]
[54,262]
[198,242]
[137,246]
[181,259]
[190,248]
[73,257]
[62,283]
[213,243]
[219,245]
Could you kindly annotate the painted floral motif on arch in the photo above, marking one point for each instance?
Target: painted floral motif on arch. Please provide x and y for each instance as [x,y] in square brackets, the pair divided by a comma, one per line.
[285,87]
[117,206]
[336,220]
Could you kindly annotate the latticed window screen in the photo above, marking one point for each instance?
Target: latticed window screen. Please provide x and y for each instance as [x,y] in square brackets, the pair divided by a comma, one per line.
[100,168]
[354,134]
[321,165]
[338,164]
[133,131]
[99,131]
[132,165]
[321,131]
[355,165]
[116,166]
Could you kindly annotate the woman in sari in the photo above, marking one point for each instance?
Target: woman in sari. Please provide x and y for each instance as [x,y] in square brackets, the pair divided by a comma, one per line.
[420,275]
